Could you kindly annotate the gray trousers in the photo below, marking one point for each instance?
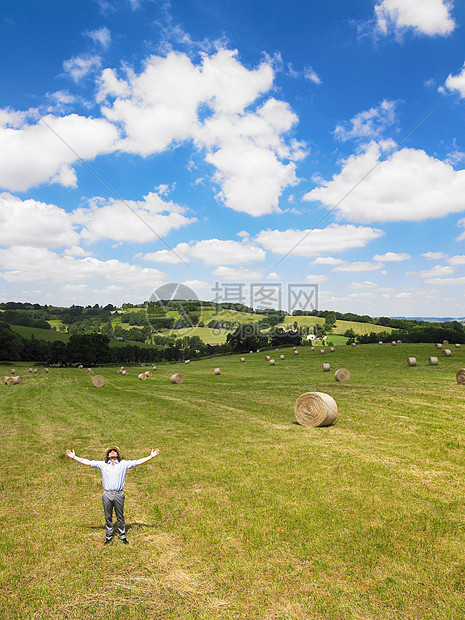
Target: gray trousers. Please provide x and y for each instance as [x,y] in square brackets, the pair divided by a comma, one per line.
[114,499]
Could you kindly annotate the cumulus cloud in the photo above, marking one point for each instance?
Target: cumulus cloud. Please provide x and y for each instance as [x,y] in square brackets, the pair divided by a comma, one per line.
[459,259]
[437,271]
[407,186]
[138,221]
[211,252]
[361,285]
[392,257]
[457,82]
[43,152]
[102,36]
[326,260]
[29,264]
[237,275]
[434,255]
[80,66]
[369,124]
[358,266]
[333,238]
[172,101]
[316,278]
[428,17]
[34,223]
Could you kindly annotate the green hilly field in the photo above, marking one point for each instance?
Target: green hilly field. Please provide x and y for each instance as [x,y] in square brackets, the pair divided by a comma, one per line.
[244,514]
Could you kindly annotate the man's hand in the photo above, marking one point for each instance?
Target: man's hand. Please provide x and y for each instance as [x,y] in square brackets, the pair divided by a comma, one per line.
[154,452]
[71,454]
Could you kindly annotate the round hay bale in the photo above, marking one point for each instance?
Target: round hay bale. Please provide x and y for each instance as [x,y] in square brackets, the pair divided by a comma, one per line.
[119,371]
[445,342]
[399,342]
[10,381]
[29,370]
[217,371]
[281,357]
[3,380]
[142,376]
[342,374]
[460,376]
[91,372]
[98,381]
[394,343]
[148,373]
[80,366]
[457,345]
[438,345]
[380,342]
[331,349]
[411,361]
[154,367]
[315,409]
[250,351]
[12,371]
[446,352]
[46,370]
[326,367]
[187,361]
[15,380]
[124,372]
[322,351]
[433,361]
[352,344]
[267,357]
[177,378]
[142,365]
[296,353]
[122,368]
[36,371]
[242,359]
[271,362]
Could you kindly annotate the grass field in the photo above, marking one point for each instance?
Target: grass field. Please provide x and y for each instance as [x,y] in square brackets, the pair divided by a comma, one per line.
[244,514]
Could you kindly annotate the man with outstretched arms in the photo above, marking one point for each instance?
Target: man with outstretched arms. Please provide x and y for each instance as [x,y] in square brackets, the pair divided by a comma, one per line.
[113,476]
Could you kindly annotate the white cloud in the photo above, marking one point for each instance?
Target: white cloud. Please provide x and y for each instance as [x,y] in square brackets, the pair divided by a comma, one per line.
[457,82]
[138,221]
[211,252]
[436,271]
[358,266]
[429,17]
[392,257]
[362,285]
[34,223]
[333,238]
[237,275]
[434,255]
[316,278]
[461,224]
[409,185]
[369,124]
[80,66]
[44,152]
[446,281]
[326,260]
[311,74]
[29,264]
[459,259]
[102,36]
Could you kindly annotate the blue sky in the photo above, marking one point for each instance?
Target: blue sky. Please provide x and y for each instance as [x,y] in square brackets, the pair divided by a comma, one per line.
[233,145]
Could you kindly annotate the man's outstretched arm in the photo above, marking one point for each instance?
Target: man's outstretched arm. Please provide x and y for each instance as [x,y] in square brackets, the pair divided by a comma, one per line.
[147,458]
[72,455]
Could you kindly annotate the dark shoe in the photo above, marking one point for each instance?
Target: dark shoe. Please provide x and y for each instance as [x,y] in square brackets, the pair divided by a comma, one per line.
[125,541]
[107,541]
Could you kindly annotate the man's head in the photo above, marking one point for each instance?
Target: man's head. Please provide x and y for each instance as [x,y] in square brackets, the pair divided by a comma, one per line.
[112,454]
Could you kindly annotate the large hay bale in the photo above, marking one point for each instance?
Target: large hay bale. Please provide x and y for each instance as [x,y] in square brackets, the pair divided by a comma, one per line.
[326,367]
[312,348]
[242,359]
[322,351]
[315,409]
[91,372]
[271,362]
[217,371]
[10,381]
[30,370]
[98,381]
[46,370]
[394,343]
[267,357]
[380,342]
[148,373]
[411,361]
[281,357]
[12,371]
[296,353]
[36,371]
[342,374]
[460,376]
[433,361]
[124,372]
[187,361]
[122,368]
[3,380]
[154,367]
[17,379]
[177,378]
[438,345]
[446,352]
[80,366]
[457,345]
[331,349]
[142,376]
[399,342]
[445,342]
[352,344]
[119,371]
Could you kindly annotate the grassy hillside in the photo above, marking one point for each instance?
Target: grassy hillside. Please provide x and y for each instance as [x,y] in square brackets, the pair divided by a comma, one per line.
[40,334]
[244,514]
